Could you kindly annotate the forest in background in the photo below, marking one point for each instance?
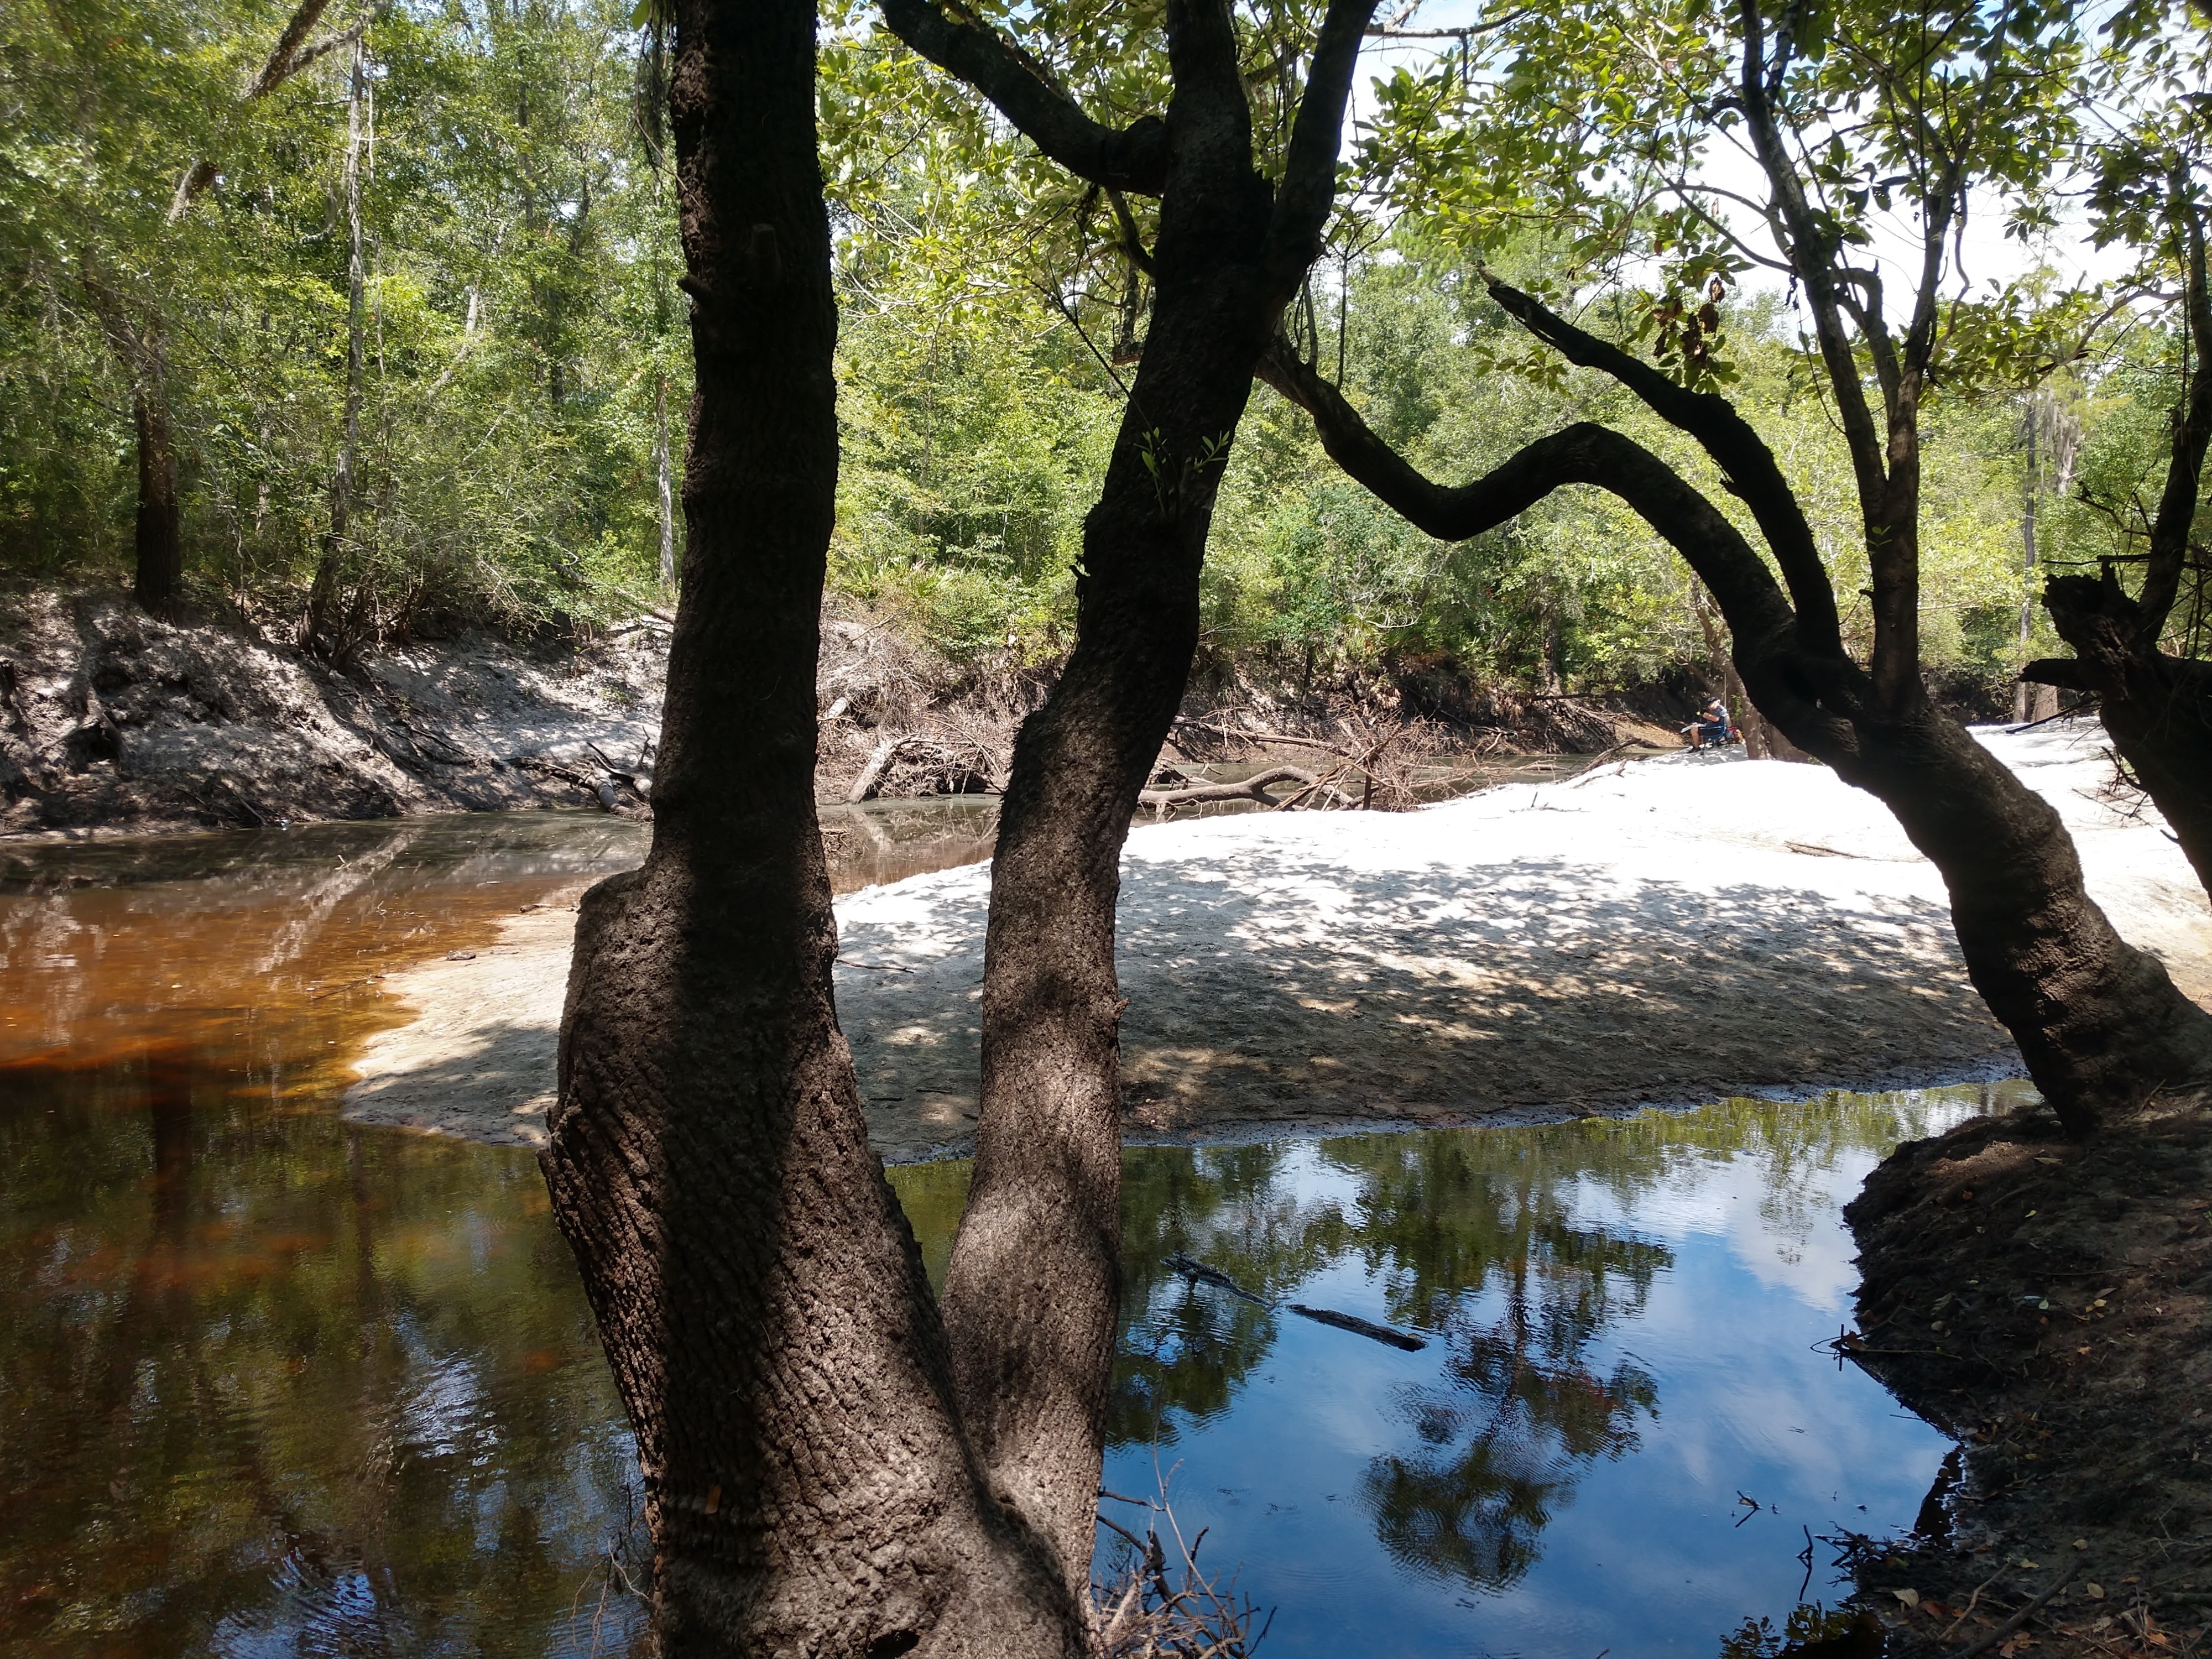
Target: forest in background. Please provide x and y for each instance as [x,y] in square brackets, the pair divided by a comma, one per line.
[399,295]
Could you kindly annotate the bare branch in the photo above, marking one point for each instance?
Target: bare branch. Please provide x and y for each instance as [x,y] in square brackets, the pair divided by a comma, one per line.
[1467,31]
[1134,159]
[1308,186]
[1745,461]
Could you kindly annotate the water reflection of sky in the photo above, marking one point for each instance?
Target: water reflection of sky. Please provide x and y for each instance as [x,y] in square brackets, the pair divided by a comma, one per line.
[1561,1470]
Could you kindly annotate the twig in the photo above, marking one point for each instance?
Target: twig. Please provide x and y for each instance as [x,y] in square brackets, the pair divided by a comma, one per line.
[1110,1521]
[2023,1615]
[2086,702]
[1969,1608]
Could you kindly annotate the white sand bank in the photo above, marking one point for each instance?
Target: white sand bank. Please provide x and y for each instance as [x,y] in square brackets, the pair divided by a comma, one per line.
[1670,931]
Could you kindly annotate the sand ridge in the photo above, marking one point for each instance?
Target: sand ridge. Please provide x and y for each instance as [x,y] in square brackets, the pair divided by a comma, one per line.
[1668,931]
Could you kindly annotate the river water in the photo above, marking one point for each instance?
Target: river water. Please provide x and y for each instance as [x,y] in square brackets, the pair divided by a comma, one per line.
[279,1385]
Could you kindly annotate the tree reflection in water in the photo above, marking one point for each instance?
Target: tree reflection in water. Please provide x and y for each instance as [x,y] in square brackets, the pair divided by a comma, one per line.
[1474,1245]
[1484,1251]
[1512,1249]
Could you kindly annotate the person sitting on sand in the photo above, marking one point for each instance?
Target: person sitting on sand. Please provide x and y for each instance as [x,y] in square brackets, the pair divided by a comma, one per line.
[1712,722]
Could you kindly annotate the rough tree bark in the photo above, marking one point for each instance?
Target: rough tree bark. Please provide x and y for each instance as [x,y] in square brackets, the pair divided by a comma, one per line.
[2156,707]
[2099,1023]
[1032,1361]
[810,1486]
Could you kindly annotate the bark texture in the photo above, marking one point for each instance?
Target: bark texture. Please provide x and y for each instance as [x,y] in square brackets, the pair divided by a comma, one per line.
[1033,1288]
[2098,1023]
[809,1484]
[2156,707]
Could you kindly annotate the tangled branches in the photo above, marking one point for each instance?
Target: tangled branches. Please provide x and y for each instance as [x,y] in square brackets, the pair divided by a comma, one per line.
[1146,1614]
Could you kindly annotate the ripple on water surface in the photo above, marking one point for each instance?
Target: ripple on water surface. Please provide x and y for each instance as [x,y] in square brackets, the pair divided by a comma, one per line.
[284,1385]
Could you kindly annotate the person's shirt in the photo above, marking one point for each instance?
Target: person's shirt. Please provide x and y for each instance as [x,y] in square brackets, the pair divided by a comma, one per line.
[1716,713]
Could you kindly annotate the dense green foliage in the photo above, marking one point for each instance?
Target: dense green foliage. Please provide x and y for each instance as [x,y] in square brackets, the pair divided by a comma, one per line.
[523,332]
[519,308]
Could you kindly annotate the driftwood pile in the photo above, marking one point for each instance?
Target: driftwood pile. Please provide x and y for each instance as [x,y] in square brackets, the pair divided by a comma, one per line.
[901,768]
[1370,762]
[624,790]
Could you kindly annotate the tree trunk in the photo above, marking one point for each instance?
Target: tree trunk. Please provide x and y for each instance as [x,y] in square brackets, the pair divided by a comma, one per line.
[809,1486]
[2156,707]
[2023,693]
[2100,1024]
[660,475]
[326,634]
[158,538]
[1033,1289]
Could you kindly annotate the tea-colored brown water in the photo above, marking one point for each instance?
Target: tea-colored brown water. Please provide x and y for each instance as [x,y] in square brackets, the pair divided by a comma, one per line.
[275,1384]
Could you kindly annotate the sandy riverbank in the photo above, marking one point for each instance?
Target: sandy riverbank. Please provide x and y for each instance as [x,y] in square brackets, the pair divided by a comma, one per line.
[1671,931]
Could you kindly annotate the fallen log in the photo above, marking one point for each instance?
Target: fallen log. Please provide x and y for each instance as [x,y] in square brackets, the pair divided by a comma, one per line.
[1224,729]
[1252,789]
[873,773]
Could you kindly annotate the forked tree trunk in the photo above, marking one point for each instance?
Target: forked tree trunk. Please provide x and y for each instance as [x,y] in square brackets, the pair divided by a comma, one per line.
[1032,1291]
[809,1486]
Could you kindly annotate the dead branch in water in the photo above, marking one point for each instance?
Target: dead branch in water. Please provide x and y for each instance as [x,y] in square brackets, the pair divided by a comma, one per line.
[1144,1614]
[1252,789]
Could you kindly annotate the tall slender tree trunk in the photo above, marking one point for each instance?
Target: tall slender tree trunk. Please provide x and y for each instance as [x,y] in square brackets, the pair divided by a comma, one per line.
[159,538]
[660,472]
[324,632]
[1033,1287]
[810,1485]
[1044,1215]
[2023,697]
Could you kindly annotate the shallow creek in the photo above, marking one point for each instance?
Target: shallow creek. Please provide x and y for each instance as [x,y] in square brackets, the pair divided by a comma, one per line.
[276,1384]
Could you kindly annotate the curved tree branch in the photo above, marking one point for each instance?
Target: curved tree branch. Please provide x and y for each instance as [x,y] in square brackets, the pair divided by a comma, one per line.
[1134,159]
[1768,644]
[1753,474]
